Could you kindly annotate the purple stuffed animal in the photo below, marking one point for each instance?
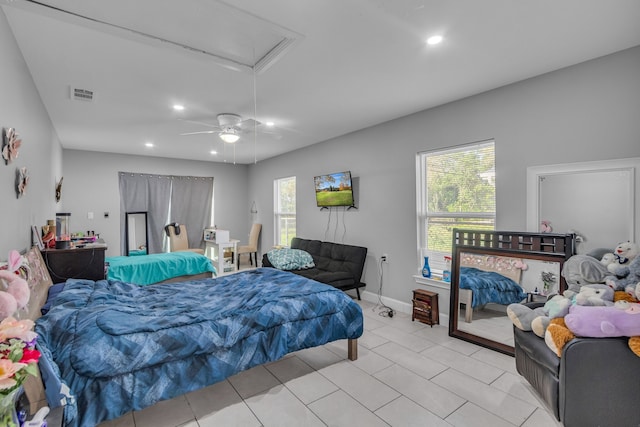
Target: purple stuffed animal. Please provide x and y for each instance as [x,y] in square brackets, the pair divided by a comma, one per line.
[620,320]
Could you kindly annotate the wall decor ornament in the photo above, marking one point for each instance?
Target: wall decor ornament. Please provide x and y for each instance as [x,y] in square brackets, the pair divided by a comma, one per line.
[22,180]
[59,190]
[10,145]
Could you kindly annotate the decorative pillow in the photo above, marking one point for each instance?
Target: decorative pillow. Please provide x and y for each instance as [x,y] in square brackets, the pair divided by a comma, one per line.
[290,259]
[39,282]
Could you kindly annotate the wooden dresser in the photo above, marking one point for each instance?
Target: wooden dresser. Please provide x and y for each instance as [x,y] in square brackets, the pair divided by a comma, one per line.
[77,263]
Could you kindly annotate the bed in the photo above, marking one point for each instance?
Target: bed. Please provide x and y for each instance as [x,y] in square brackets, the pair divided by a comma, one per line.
[159,268]
[488,279]
[121,347]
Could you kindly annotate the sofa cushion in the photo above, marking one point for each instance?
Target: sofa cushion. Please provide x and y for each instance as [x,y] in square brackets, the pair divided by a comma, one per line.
[335,278]
[334,257]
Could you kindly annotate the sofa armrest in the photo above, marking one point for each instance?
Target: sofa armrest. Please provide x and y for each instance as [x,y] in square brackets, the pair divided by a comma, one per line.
[599,383]
[265,261]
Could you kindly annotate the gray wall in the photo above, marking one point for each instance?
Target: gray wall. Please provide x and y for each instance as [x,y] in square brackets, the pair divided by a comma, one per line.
[22,109]
[590,111]
[91,185]
[586,112]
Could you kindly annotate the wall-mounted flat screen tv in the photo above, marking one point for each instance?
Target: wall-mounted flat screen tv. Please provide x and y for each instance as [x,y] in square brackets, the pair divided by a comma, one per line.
[334,189]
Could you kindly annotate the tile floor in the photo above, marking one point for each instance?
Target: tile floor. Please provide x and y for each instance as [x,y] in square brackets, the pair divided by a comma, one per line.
[407,374]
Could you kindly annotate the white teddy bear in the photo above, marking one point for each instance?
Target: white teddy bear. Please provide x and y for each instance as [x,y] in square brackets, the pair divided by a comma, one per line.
[624,253]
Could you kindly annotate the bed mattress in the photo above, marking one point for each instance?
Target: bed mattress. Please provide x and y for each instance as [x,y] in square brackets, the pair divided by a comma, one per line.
[154,268]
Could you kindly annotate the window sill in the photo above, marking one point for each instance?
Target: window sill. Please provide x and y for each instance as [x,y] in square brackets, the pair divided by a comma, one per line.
[434,281]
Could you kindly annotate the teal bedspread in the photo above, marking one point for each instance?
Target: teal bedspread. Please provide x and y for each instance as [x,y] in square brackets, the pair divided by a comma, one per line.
[154,268]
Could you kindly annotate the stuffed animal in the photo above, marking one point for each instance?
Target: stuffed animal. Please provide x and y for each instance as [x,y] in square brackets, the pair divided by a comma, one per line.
[557,307]
[16,293]
[538,319]
[630,277]
[621,319]
[607,259]
[580,270]
[545,226]
[594,295]
[14,290]
[624,253]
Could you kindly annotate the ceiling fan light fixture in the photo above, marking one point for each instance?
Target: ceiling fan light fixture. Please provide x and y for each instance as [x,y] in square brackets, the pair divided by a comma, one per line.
[435,39]
[230,136]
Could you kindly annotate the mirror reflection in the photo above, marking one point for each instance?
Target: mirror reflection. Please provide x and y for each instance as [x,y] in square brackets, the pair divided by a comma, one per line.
[136,231]
[494,269]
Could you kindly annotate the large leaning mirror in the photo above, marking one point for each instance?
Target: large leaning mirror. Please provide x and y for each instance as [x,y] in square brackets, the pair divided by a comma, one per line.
[492,269]
[137,233]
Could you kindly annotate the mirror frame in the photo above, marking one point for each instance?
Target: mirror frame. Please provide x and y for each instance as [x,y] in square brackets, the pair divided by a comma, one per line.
[126,229]
[551,247]
[536,173]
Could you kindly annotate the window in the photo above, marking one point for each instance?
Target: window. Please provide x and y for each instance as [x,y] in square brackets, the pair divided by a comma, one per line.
[284,210]
[456,189]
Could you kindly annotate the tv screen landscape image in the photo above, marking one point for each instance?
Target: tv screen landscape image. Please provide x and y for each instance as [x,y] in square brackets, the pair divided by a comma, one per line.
[334,189]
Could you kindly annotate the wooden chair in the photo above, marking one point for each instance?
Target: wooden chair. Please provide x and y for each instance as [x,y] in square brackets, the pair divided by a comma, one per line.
[252,247]
[180,242]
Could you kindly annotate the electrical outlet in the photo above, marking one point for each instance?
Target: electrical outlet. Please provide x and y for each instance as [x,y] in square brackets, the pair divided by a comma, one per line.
[384,258]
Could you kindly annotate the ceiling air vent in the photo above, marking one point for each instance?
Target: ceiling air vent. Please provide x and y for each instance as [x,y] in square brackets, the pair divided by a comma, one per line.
[81,94]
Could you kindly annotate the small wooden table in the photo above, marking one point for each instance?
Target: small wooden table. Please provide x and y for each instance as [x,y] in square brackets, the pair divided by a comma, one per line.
[425,307]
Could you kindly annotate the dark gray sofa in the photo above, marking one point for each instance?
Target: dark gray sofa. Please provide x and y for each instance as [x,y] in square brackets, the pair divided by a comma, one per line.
[336,264]
[596,382]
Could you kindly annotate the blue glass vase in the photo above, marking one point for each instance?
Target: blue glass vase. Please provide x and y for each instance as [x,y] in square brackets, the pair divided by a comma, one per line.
[426,270]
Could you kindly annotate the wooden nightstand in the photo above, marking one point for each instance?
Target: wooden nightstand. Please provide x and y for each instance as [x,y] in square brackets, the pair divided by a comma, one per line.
[425,307]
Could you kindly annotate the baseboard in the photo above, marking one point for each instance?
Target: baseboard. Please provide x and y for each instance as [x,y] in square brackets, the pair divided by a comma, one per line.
[398,306]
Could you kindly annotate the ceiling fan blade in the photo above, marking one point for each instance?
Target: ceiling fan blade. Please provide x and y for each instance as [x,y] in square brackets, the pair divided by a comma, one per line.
[199,133]
[209,125]
[249,123]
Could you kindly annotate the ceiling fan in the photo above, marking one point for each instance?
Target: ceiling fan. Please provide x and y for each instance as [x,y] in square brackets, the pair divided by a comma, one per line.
[229,128]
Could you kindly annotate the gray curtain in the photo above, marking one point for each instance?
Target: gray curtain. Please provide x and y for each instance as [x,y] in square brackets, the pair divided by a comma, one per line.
[145,193]
[191,199]
[182,199]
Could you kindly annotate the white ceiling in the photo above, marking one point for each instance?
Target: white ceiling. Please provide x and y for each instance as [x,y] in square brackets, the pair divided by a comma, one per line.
[317,68]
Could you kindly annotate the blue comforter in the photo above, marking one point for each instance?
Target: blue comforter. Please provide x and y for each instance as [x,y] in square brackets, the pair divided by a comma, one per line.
[122,347]
[488,286]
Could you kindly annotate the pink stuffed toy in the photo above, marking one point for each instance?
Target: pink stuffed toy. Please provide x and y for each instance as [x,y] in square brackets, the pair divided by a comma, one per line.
[620,320]
[14,290]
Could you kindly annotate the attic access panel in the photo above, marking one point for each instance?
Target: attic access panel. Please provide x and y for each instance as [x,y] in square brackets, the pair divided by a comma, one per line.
[222,33]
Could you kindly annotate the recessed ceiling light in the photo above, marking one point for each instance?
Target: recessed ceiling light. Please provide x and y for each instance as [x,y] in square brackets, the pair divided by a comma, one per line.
[214,152]
[433,40]
[270,124]
[148,144]
[178,107]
